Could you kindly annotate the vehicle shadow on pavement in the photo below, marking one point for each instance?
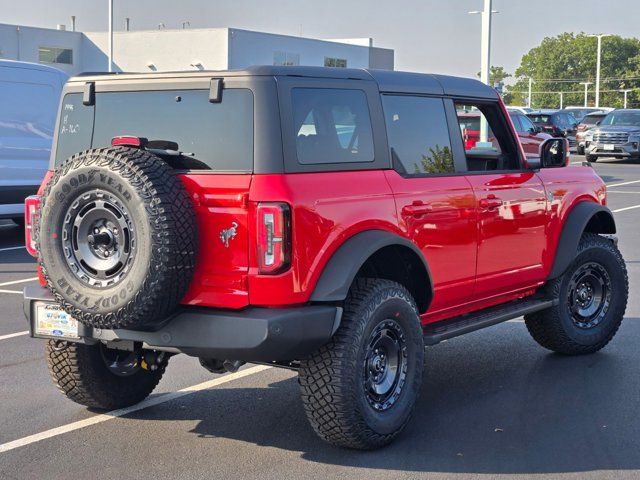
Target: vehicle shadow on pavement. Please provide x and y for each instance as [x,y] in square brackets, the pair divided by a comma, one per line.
[491,403]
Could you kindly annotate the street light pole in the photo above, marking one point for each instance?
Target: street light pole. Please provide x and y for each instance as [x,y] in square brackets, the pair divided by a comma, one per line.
[110,35]
[599,36]
[561,100]
[485,58]
[625,91]
[529,97]
[586,92]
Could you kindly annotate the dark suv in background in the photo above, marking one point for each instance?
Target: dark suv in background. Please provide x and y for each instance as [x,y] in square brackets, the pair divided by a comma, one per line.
[558,123]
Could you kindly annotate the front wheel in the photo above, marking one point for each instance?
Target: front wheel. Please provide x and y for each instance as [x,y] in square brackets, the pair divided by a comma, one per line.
[592,158]
[359,390]
[101,377]
[580,150]
[591,300]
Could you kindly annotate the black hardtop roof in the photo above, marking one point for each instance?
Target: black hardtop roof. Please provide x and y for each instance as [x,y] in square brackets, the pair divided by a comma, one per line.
[387,80]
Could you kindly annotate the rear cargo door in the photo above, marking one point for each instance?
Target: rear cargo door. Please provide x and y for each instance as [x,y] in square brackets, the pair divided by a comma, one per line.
[213,156]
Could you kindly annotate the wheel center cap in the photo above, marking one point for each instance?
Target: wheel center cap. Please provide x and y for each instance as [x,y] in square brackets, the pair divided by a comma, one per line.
[103,238]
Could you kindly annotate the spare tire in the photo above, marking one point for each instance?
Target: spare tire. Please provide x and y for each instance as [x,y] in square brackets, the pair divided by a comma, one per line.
[117,238]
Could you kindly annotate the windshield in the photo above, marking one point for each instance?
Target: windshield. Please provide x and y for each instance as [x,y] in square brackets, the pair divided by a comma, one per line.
[628,119]
[592,119]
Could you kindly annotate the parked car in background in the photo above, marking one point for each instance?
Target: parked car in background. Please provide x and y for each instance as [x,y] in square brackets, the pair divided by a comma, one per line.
[522,110]
[557,123]
[529,134]
[29,97]
[580,112]
[617,135]
[588,122]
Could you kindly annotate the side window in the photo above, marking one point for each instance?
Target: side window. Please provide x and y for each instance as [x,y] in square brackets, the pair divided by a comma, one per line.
[489,144]
[517,123]
[527,125]
[418,135]
[332,126]
[471,120]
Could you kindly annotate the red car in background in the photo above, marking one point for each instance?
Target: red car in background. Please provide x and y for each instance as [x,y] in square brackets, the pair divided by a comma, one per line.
[529,135]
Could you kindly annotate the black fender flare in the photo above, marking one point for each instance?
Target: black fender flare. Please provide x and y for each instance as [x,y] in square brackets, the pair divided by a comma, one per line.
[585,216]
[343,266]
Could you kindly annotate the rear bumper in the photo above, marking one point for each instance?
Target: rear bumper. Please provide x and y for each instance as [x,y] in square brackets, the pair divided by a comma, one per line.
[252,334]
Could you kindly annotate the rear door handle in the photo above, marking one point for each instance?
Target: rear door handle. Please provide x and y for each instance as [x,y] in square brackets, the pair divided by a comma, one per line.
[491,201]
[416,209]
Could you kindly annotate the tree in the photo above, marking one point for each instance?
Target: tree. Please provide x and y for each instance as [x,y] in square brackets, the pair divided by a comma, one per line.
[560,63]
[496,75]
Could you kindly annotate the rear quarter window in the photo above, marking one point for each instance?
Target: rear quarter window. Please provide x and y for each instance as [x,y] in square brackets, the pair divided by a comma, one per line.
[331,126]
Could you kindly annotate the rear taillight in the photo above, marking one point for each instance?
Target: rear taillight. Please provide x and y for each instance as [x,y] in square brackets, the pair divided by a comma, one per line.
[31,213]
[274,237]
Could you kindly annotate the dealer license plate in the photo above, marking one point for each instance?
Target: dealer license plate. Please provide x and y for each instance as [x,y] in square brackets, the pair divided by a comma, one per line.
[608,146]
[52,321]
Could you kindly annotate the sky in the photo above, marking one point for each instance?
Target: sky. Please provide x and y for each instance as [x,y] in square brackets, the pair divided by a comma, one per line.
[436,36]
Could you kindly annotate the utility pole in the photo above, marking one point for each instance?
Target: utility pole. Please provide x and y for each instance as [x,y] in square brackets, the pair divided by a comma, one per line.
[586,92]
[561,100]
[110,35]
[599,36]
[529,97]
[485,58]
[625,91]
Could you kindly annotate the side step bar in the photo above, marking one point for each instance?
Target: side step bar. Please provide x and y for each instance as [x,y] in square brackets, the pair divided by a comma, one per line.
[436,332]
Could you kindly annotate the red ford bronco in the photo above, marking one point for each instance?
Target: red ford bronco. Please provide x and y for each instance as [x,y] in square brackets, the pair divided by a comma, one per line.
[322,219]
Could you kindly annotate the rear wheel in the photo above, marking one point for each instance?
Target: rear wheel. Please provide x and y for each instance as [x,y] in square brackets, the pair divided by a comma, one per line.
[592,298]
[592,158]
[101,377]
[580,150]
[359,390]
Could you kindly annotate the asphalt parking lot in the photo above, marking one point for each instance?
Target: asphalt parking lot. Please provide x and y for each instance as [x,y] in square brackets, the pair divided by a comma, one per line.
[493,404]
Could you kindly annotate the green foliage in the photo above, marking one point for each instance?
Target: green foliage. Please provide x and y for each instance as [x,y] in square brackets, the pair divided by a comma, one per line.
[573,57]
[439,160]
[496,75]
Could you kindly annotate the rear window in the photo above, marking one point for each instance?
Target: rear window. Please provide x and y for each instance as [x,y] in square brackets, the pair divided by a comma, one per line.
[331,126]
[540,118]
[219,136]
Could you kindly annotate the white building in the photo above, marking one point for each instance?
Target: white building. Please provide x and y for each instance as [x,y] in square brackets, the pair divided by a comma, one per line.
[186,49]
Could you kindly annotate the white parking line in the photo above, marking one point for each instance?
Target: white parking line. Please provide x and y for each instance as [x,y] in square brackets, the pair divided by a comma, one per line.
[623,191]
[11,248]
[626,208]
[13,335]
[621,184]
[150,402]
[11,291]
[18,281]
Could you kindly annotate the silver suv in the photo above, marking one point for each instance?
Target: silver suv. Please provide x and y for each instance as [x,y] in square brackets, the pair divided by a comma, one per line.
[617,135]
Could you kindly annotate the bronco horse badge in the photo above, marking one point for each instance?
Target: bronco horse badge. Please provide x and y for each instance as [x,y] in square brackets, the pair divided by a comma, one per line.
[228,233]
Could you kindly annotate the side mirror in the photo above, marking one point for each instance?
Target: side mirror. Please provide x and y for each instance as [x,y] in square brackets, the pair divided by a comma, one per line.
[538,128]
[554,153]
[598,122]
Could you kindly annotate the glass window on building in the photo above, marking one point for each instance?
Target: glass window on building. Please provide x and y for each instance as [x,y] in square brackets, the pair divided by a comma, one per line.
[335,62]
[286,58]
[55,55]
